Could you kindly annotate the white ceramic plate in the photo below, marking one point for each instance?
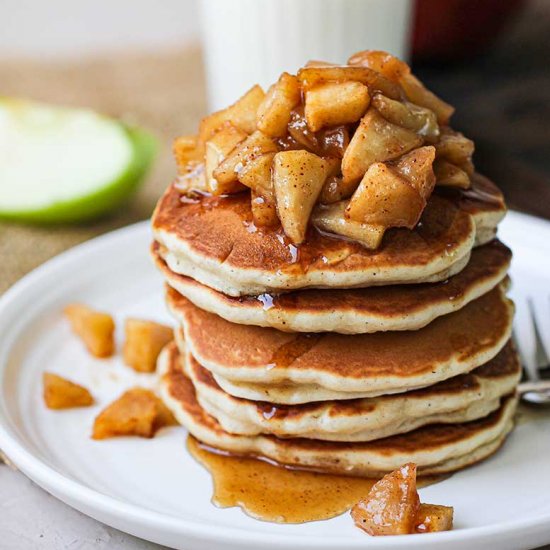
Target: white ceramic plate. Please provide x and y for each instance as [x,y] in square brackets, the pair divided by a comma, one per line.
[154,489]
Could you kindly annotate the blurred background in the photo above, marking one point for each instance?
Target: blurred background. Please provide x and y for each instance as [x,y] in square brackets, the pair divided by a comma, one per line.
[143,61]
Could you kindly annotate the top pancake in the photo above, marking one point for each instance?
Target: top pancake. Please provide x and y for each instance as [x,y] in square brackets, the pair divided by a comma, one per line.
[213,240]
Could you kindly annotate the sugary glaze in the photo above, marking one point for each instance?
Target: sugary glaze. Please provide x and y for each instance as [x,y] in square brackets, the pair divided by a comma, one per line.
[272,492]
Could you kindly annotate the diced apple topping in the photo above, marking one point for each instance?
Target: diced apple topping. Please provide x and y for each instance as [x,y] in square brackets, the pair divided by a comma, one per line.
[450,175]
[434,517]
[376,82]
[335,103]
[455,148]
[365,131]
[274,111]
[391,506]
[419,94]
[408,115]
[144,341]
[217,149]
[241,114]
[96,329]
[252,147]
[331,219]
[394,195]
[298,177]
[382,62]
[137,412]
[399,72]
[375,140]
[60,393]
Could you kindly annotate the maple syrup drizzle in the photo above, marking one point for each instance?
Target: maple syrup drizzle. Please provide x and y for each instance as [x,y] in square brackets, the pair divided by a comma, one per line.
[271,492]
[289,352]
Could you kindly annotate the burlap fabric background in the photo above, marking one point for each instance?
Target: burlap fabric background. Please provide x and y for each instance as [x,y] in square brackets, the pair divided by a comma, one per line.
[164,93]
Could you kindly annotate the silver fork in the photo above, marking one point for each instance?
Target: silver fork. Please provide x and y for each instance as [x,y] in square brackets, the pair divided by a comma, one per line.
[533,389]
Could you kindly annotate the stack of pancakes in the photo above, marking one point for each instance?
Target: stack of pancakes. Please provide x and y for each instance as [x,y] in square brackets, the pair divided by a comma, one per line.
[334,357]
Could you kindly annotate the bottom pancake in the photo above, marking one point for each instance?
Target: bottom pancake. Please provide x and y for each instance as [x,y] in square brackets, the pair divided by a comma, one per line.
[436,449]
[463,398]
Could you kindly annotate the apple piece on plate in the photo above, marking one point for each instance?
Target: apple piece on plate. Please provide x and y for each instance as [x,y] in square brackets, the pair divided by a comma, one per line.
[241,114]
[65,165]
[375,140]
[391,507]
[253,146]
[144,342]
[96,329]
[217,149]
[376,82]
[137,411]
[335,103]
[408,115]
[298,177]
[331,218]
[186,153]
[60,393]
[432,518]
[274,111]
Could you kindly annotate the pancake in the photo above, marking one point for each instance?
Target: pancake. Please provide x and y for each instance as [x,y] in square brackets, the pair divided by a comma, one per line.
[351,311]
[439,448]
[213,240]
[460,399]
[362,365]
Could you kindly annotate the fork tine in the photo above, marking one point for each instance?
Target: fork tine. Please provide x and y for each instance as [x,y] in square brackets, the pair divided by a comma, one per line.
[525,339]
[541,356]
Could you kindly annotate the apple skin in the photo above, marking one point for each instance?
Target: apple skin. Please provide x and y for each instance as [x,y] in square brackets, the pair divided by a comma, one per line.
[103,200]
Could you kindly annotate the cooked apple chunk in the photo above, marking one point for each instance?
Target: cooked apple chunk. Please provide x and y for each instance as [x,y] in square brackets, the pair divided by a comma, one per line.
[335,103]
[60,393]
[192,179]
[456,148]
[241,114]
[434,517]
[376,82]
[256,174]
[274,111]
[383,62]
[331,218]
[137,412]
[186,153]
[144,341]
[449,175]
[264,210]
[391,507]
[408,115]
[384,197]
[417,168]
[298,177]
[336,189]
[253,146]
[94,328]
[217,149]
[375,140]
[419,94]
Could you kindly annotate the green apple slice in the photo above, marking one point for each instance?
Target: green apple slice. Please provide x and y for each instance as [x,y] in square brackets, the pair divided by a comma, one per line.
[62,165]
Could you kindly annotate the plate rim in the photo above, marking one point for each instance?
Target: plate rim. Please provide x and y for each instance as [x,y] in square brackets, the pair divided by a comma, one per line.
[88,500]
